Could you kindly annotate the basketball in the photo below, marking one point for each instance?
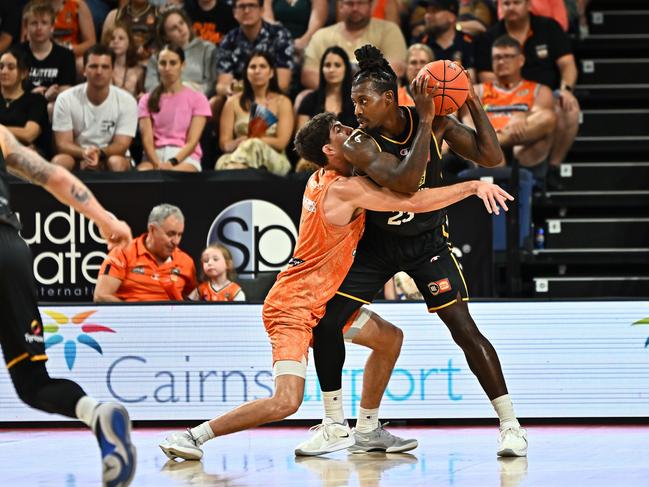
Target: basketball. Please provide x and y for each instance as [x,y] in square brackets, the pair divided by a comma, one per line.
[454,85]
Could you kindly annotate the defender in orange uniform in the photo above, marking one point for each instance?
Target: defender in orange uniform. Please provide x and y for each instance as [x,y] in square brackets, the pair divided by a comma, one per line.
[332,222]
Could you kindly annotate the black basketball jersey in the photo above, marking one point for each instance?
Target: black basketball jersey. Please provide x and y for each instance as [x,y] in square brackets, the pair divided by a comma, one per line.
[6,215]
[399,222]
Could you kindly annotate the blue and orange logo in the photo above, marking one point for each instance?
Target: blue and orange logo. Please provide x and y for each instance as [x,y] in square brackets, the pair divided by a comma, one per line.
[644,321]
[62,328]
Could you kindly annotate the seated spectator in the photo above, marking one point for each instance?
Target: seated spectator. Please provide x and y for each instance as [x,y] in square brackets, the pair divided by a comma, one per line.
[140,17]
[172,118]
[302,18]
[9,23]
[23,113]
[333,94]
[243,146]
[218,283]
[152,267]
[355,30]
[548,60]
[174,28]
[475,17]
[419,55]
[52,66]
[334,90]
[442,36]
[128,74]
[520,111]
[555,9]
[211,19]
[252,34]
[95,122]
[74,27]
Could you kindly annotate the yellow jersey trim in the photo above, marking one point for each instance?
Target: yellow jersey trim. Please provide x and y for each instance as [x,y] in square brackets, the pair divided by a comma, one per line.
[409,133]
[352,297]
[432,310]
[19,358]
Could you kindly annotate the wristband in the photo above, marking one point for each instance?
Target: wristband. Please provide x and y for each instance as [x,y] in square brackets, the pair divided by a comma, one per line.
[173,161]
[103,157]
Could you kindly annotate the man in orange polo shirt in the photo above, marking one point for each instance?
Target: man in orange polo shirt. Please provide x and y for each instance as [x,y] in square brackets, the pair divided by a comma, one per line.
[151,267]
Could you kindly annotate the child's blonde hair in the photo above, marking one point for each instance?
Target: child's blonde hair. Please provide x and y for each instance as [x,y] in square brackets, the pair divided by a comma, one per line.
[230,272]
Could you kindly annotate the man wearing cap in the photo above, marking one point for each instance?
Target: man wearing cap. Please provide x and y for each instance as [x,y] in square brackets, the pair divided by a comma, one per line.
[442,33]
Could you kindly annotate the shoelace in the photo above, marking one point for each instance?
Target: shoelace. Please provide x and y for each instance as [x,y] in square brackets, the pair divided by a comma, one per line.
[324,427]
[191,437]
[519,432]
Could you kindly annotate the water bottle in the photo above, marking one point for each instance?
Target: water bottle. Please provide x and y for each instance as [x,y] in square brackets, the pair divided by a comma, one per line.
[539,238]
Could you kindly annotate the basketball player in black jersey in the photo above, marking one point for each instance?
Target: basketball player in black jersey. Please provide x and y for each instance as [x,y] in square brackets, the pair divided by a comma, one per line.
[399,148]
[21,328]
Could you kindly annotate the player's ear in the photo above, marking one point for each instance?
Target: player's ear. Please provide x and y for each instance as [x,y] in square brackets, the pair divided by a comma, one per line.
[328,150]
[389,97]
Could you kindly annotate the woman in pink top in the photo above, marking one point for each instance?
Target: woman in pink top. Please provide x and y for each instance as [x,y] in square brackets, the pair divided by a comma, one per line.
[172,118]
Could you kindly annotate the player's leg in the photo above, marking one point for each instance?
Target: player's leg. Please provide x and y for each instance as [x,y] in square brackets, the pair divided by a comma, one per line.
[21,334]
[442,284]
[384,339]
[290,342]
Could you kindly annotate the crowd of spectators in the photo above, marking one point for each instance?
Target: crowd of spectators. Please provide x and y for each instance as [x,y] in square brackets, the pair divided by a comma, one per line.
[150,84]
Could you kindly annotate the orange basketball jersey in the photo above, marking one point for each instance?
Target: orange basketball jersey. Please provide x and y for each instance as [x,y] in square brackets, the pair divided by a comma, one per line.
[227,293]
[501,104]
[66,25]
[323,255]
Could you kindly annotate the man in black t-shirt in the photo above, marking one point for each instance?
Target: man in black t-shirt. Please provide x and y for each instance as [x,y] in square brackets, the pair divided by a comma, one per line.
[52,66]
[211,19]
[548,60]
[442,36]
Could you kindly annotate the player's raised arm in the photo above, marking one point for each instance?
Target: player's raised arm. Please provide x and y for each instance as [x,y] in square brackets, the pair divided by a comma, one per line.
[348,194]
[64,186]
[386,169]
[480,145]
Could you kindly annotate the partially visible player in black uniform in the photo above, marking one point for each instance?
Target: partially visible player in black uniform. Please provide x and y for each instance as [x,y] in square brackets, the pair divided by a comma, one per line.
[391,136]
[21,328]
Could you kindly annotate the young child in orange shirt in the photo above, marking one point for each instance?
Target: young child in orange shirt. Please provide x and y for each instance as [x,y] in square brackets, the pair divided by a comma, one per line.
[218,276]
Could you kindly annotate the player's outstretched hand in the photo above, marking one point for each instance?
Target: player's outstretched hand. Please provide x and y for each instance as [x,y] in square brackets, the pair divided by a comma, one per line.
[493,197]
[116,233]
[423,97]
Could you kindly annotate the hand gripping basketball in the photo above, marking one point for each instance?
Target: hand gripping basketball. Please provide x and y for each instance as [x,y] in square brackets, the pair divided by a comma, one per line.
[450,82]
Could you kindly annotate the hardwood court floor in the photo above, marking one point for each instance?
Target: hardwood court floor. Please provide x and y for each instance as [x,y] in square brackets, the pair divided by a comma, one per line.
[575,456]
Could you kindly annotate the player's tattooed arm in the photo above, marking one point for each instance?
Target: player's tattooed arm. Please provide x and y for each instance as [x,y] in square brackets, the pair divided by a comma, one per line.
[386,169]
[480,145]
[22,162]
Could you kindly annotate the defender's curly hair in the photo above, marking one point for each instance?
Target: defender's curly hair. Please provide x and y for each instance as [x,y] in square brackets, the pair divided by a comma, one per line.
[313,136]
[375,68]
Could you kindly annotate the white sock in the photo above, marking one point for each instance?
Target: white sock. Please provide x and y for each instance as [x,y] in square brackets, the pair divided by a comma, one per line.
[368,420]
[202,433]
[85,408]
[333,404]
[505,411]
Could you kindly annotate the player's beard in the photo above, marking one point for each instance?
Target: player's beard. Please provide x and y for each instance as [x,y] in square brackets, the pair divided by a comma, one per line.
[434,30]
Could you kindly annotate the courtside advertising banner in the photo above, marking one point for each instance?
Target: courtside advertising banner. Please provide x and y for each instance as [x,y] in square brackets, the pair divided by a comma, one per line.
[192,362]
[255,214]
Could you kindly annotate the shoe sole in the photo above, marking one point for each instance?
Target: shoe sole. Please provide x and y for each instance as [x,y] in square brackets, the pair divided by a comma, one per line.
[508,452]
[399,449]
[119,464]
[341,445]
[184,453]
